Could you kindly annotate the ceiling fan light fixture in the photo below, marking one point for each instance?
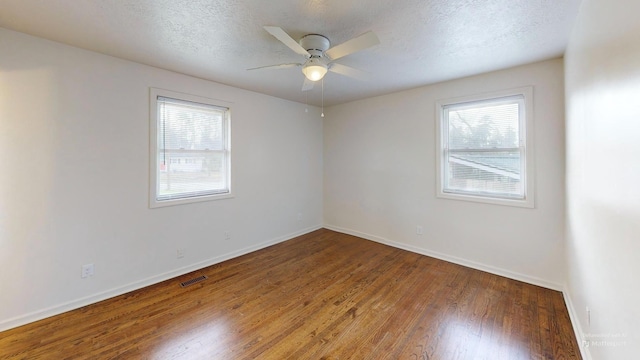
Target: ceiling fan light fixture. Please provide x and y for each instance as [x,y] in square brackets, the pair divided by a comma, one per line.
[314,69]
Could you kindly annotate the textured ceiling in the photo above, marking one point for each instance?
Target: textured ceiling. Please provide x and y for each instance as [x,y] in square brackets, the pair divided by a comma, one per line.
[422,41]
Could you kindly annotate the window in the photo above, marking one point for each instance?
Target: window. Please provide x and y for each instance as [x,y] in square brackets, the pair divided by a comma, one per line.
[485,148]
[189,148]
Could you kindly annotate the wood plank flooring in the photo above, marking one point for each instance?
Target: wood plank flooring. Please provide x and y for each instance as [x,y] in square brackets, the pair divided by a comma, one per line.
[323,295]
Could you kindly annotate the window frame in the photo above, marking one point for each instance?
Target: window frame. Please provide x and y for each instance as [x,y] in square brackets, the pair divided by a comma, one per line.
[526,142]
[154,94]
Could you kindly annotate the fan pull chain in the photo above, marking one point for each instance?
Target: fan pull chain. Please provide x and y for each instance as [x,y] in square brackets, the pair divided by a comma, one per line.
[322,113]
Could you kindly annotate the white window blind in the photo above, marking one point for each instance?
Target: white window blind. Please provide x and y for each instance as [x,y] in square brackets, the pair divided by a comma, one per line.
[484,148]
[192,153]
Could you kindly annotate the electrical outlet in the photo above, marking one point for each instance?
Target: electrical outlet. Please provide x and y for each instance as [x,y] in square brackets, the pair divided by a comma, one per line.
[87,270]
[299,216]
[180,253]
[419,230]
[227,235]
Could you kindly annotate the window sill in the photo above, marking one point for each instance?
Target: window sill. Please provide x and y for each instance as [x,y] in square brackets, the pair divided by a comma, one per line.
[154,204]
[524,203]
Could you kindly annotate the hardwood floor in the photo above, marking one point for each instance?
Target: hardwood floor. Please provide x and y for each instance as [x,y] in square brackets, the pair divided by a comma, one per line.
[323,295]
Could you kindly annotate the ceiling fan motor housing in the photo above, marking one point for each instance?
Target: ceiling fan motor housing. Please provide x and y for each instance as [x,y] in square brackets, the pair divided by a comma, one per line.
[315,44]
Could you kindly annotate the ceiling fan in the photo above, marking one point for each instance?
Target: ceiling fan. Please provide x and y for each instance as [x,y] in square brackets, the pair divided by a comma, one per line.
[320,57]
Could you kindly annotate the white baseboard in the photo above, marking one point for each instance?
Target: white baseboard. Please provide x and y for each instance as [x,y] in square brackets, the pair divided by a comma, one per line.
[577,329]
[453,259]
[76,304]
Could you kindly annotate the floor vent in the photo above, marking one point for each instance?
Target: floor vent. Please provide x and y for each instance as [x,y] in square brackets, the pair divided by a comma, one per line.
[193,281]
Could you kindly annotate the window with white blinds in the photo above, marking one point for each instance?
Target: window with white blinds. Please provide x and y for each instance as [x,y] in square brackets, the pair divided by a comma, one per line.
[484,149]
[190,151]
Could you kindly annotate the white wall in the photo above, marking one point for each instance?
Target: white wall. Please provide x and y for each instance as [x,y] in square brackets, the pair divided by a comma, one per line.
[603,176]
[379,179]
[74,139]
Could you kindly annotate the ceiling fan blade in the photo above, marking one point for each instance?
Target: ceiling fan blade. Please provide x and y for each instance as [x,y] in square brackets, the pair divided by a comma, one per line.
[356,44]
[279,66]
[281,35]
[307,85]
[349,71]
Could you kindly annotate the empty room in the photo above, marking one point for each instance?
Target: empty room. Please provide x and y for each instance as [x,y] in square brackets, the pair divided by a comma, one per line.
[440,179]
